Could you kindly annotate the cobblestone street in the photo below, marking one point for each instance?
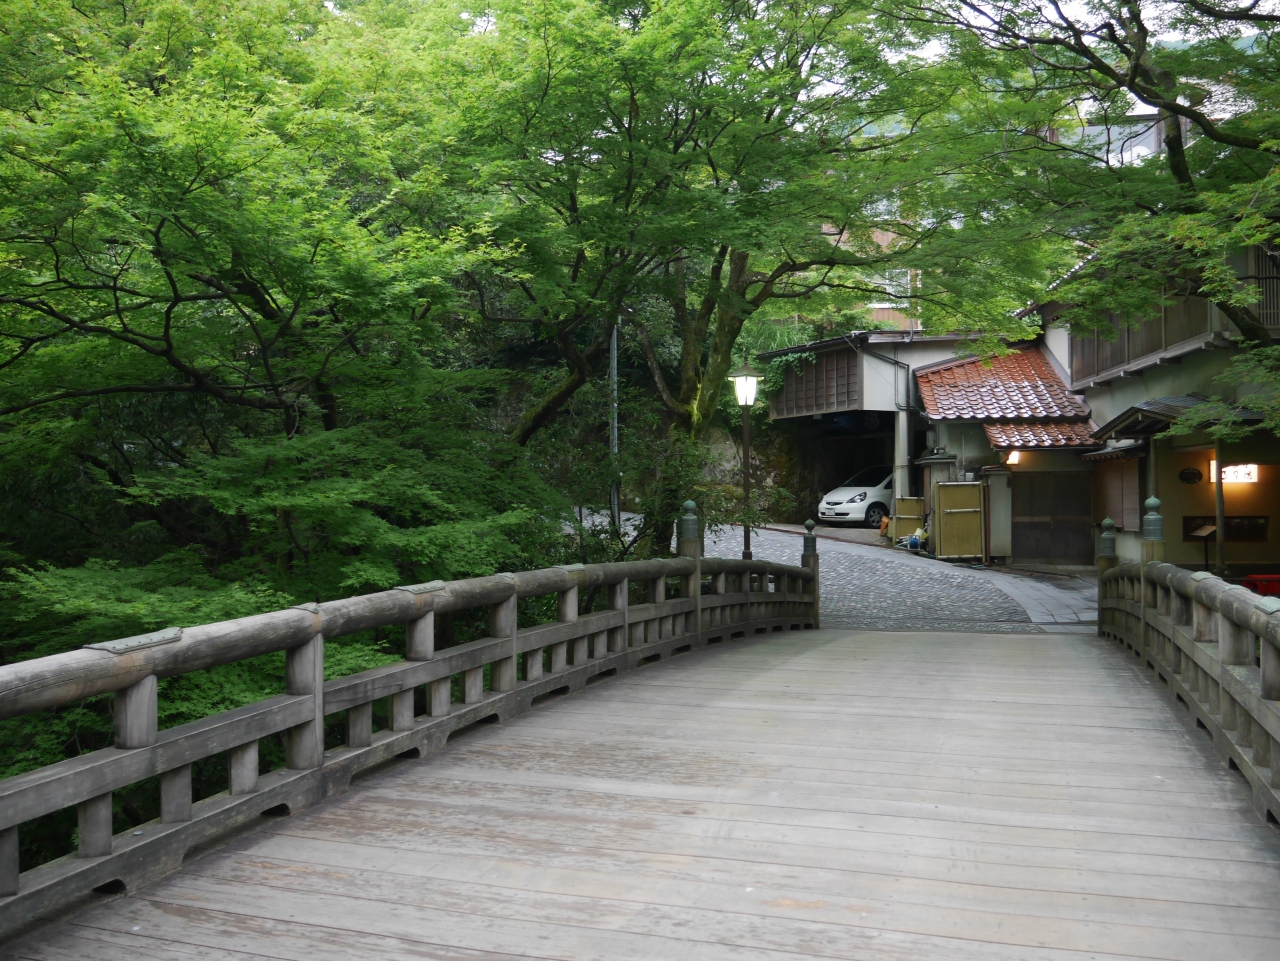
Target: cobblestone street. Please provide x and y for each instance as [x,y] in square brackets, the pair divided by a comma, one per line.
[873,588]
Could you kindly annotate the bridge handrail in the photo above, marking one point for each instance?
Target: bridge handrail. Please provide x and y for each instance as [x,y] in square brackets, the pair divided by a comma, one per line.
[718,599]
[1217,646]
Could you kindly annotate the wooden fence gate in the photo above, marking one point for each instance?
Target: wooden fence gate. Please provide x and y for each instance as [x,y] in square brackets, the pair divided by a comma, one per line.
[959,521]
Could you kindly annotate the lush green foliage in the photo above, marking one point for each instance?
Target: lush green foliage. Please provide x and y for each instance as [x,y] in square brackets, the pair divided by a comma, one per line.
[300,299]
[1078,88]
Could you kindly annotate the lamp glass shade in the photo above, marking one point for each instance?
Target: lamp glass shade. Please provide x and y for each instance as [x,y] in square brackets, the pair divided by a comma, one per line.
[745,380]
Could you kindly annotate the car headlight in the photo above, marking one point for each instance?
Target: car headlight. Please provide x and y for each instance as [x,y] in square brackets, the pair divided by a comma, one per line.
[857,498]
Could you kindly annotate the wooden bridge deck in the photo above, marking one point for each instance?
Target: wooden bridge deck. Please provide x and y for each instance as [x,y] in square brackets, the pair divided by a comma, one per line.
[824,794]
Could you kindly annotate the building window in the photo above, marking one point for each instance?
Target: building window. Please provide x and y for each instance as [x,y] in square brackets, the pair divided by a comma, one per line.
[1119,493]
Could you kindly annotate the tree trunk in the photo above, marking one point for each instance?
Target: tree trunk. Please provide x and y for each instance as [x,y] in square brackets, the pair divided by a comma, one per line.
[731,313]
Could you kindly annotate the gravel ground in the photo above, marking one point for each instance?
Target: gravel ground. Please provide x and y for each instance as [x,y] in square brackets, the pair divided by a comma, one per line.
[870,593]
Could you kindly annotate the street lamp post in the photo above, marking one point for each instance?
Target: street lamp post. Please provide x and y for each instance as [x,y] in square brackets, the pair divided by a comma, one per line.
[745,380]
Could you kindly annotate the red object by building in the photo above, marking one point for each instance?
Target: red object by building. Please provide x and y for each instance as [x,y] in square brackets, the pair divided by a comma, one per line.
[1263,583]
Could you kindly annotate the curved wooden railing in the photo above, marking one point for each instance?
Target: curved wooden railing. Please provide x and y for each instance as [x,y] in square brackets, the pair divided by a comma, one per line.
[1217,647]
[716,600]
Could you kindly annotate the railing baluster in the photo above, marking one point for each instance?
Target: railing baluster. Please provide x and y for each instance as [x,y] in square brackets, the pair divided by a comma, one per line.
[9,861]
[360,725]
[718,587]
[473,685]
[1269,661]
[175,795]
[654,627]
[619,637]
[402,710]
[440,697]
[1261,746]
[533,664]
[242,769]
[94,817]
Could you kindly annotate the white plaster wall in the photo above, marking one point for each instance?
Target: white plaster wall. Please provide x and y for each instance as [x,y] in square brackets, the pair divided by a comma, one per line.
[1058,342]
[1194,375]
[967,441]
[879,389]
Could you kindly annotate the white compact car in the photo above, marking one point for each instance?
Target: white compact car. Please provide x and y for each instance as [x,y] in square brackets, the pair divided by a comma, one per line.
[864,498]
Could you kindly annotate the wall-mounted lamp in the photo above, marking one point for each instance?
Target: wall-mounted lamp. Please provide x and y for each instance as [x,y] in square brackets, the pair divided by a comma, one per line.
[1013,457]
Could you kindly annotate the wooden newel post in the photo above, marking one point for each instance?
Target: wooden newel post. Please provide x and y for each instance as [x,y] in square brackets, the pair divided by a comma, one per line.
[559,653]
[1152,552]
[689,544]
[809,559]
[1152,533]
[304,674]
[1107,547]
[135,710]
[419,645]
[420,638]
[618,602]
[1106,561]
[502,623]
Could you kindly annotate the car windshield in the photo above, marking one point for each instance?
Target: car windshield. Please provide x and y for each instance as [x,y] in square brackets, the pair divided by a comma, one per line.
[869,477]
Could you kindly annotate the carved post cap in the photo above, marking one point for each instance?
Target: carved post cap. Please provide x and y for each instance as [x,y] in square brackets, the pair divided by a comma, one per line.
[689,520]
[1107,539]
[688,542]
[810,538]
[1152,522]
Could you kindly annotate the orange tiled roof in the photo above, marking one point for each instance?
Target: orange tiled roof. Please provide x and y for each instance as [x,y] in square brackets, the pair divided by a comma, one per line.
[1023,385]
[1043,434]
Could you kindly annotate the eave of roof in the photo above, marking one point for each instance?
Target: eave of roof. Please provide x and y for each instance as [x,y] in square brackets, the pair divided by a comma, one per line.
[1154,415]
[1042,435]
[872,337]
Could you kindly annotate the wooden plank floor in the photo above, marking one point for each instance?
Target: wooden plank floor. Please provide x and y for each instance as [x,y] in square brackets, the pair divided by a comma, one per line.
[813,795]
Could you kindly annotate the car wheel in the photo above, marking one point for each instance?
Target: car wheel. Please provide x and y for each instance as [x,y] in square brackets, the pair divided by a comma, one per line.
[875,514]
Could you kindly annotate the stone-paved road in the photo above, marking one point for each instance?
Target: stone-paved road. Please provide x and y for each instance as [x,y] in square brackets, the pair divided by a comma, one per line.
[868,588]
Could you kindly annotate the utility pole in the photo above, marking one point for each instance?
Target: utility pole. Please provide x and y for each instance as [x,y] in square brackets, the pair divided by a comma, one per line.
[615,491]
[1219,512]
[746,482]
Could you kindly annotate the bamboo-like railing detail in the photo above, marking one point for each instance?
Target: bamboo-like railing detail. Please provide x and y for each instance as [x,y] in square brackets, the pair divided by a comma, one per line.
[717,600]
[1217,647]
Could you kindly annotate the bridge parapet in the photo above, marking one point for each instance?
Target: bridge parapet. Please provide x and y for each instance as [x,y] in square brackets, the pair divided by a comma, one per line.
[712,600]
[1216,646]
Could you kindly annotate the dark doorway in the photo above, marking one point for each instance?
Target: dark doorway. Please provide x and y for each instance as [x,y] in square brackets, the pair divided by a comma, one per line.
[1052,518]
